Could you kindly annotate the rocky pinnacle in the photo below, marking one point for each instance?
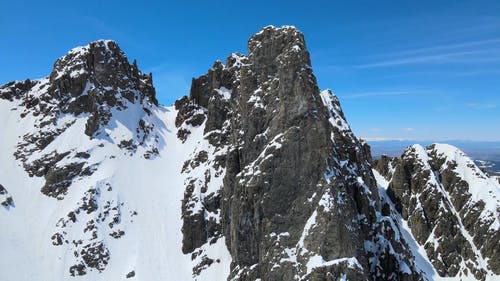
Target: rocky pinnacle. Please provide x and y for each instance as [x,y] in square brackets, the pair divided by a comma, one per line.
[299,200]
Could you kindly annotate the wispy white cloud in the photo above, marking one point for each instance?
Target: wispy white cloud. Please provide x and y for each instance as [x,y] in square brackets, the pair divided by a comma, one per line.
[382,93]
[472,104]
[453,46]
[478,51]
[408,129]
[477,105]
[450,57]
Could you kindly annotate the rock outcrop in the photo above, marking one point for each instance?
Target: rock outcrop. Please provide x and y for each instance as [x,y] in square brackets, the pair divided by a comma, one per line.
[5,199]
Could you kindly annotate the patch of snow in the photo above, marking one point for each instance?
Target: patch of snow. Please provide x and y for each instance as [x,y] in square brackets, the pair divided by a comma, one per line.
[331,103]
[296,48]
[224,92]
[318,261]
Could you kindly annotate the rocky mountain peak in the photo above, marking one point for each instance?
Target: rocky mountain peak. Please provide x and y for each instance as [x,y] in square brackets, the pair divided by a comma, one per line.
[96,58]
[273,53]
[101,65]
[96,79]
[276,48]
[94,90]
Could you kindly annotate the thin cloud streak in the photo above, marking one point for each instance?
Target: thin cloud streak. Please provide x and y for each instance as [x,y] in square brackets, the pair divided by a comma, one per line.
[454,57]
[383,93]
[476,51]
[476,105]
[445,47]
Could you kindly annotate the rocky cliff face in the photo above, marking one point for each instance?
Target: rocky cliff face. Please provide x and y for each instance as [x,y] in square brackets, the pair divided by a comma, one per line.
[256,175]
[298,199]
[451,206]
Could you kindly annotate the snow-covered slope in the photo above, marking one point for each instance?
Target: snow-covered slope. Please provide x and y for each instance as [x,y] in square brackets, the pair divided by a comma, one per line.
[110,205]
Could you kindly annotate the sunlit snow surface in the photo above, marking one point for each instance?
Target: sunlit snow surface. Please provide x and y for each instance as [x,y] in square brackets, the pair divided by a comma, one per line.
[151,246]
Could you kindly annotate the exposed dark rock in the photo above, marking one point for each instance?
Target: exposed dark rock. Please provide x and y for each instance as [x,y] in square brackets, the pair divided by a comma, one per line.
[78,269]
[95,255]
[183,134]
[57,239]
[205,263]
[57,179]
[89,202]
[130,274]
[384,166]
[5,198]
[16,89]
[37,141]
[83,155]
[189,114]
[194,223]
[103,64]
[128,145]
[117,234]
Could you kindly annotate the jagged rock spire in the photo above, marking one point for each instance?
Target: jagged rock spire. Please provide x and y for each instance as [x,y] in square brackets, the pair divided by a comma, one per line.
[278,48]
[297,181]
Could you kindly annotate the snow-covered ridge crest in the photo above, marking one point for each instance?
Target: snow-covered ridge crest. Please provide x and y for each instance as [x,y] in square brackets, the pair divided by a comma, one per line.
[75,61]
[450,206]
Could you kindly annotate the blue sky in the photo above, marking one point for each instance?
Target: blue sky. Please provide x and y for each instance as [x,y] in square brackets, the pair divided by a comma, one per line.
[422,70]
